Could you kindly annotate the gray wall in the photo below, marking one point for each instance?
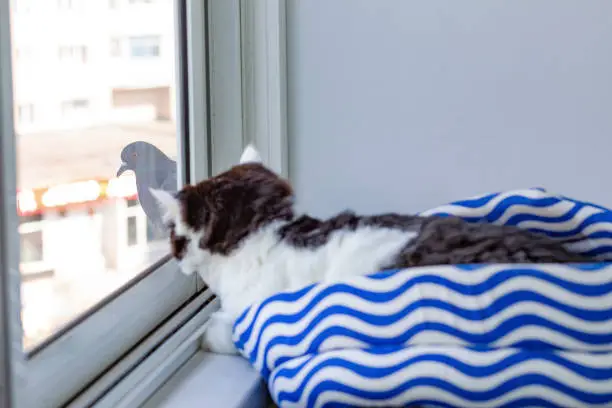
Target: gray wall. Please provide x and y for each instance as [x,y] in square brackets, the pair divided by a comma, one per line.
[406,104]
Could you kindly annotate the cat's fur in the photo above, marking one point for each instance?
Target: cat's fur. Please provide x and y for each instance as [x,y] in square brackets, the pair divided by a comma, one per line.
[238,230]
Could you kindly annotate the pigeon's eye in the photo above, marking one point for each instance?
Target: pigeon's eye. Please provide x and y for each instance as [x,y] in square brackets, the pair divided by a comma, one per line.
[134,154]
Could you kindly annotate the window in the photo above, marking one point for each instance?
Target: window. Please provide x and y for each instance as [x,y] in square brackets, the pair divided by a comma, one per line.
[32,253]
[31,246]
[105,294]
[151,235]
[75,110]
[85,172]
[144,46]
[132,230]
[31,238]
[103,316]
[73,53]
[25,114]
[115,47]
[74,106]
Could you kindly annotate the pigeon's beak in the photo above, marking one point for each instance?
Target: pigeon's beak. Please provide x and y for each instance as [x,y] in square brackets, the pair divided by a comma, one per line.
[122,169]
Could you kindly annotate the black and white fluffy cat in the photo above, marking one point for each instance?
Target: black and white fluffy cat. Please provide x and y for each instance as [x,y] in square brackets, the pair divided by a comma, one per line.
[238,230]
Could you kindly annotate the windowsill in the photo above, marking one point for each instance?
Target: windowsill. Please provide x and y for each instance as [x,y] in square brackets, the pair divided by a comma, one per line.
[212,380]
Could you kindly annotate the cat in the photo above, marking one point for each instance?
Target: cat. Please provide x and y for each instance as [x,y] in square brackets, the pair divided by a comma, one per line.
[239,231]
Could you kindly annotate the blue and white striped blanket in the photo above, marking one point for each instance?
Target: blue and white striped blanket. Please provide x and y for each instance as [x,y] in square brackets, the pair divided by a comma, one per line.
[450,336]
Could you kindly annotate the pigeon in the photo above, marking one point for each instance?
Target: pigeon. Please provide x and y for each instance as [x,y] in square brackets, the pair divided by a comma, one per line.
[153,169]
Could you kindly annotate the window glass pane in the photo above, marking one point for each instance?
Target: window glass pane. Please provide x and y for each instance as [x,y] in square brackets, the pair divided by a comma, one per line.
[31,246]
[132,230]
[88,223]
[150,232]
[25,114]
[144,46]
[115,47]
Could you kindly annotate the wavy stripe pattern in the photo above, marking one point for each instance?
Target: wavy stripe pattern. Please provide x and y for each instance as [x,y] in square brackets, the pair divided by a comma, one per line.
[539,211]
[444,377]
[506,305]
[459,335]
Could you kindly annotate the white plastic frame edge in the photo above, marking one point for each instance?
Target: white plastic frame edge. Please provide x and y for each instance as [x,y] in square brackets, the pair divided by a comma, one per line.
[169,346]
[10,335]
[264,65]
[248,81]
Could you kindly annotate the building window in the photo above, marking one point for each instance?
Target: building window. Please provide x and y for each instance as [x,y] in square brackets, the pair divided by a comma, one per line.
[144,46]
[31,240]
[75,107]
[31,246]
[132,230]
[25,114]
[151,233]
[73,53]
[115,47]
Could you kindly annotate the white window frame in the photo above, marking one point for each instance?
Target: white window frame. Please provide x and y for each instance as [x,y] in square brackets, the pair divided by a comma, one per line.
[95,344]
[242,63]
[264,72]
[249,84]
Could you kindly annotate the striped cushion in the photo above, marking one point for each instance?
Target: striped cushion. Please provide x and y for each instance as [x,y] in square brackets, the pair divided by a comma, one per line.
[443,376]
[463,335]
[539,211]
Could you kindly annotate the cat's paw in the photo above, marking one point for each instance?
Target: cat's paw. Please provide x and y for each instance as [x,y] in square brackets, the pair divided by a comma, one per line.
[218,335]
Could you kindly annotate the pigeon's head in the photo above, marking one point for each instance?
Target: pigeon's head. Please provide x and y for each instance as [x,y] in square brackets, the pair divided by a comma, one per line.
[139,156]
[211,221]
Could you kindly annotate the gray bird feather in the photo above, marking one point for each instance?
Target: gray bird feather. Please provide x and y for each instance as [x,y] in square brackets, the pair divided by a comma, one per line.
[152,169]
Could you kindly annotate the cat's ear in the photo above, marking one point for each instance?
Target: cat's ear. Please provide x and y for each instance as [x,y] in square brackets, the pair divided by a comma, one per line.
[168,204]
[250,155]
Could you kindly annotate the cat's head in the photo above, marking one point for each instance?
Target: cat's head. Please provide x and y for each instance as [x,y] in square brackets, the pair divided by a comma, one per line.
[214,216]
